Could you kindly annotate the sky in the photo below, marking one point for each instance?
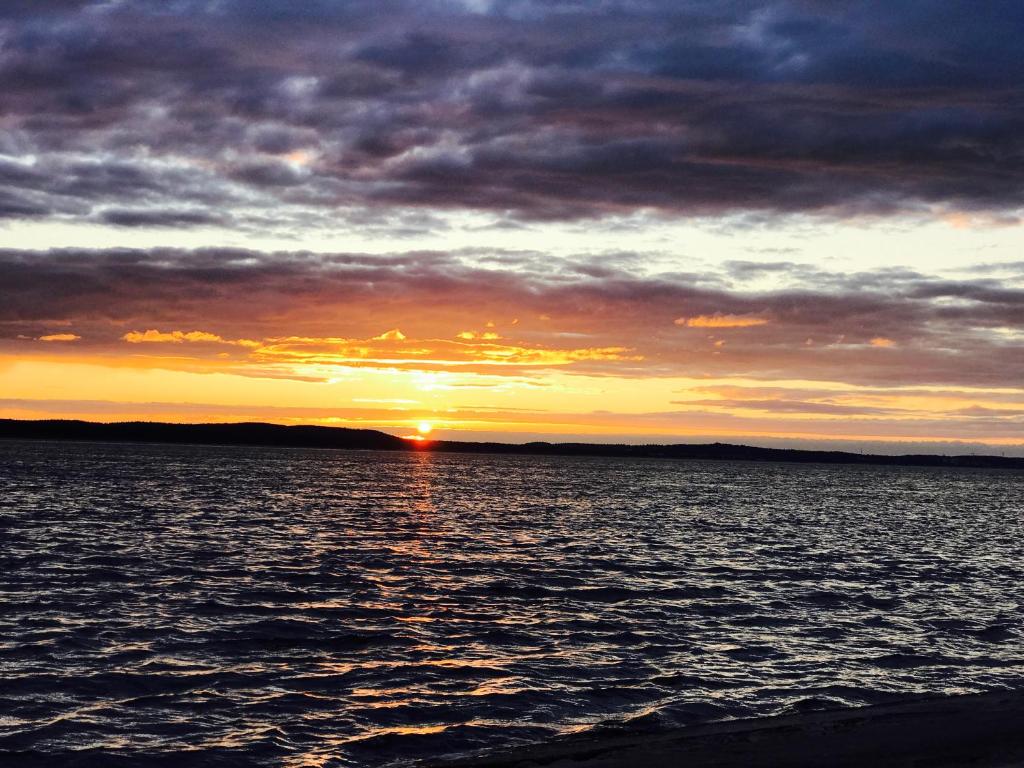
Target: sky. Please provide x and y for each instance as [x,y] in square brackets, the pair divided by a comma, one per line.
[782,223]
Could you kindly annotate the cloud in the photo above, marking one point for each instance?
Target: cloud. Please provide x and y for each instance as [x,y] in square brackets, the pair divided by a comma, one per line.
[158,218]
[393,335]
[175,337]
[788,406]
[60,337]
[154,336]
[399,351]
[392,349]
[719,320]
[194,114]
[613,321]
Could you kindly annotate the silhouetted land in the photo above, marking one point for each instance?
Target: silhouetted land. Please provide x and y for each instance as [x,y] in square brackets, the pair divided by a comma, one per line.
[369,439]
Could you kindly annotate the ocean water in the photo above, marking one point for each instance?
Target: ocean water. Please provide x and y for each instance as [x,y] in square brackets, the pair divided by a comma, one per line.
[181,606]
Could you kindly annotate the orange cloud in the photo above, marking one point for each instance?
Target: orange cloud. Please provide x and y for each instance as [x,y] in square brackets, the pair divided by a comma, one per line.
[431,353]
[154,336]
[393,335]
[881,341]
[719,320]
[499,354]
[60,337]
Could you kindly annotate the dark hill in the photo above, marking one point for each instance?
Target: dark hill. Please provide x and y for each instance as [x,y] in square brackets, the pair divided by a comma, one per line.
[729,452]
[205,434]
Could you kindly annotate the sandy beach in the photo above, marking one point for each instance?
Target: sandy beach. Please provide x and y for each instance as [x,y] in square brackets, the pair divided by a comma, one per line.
[975,730]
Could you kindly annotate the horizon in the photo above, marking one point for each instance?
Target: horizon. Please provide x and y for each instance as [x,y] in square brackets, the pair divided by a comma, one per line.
[769,222]
[892,448]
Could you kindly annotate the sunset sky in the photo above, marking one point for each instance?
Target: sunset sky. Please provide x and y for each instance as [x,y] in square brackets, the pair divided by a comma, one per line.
[783,223]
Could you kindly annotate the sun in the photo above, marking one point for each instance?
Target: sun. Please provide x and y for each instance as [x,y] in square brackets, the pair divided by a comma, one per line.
[425,428]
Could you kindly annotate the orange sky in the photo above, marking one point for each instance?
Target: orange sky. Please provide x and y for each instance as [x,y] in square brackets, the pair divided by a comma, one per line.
[560,374]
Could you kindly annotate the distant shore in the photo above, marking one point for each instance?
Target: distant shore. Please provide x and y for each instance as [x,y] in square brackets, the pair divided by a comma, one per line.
[983,731]
[276,435]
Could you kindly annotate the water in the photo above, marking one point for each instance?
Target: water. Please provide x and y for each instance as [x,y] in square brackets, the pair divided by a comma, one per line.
[316,608]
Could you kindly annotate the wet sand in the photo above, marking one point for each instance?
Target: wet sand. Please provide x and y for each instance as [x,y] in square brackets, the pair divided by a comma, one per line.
[976,730]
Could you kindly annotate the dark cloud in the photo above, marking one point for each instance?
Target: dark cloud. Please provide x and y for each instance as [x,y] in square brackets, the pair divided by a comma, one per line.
[542,110]
[17,207]
[159,218]
[268,174]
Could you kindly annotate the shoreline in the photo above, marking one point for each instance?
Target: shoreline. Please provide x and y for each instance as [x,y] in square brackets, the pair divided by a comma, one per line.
[984,730]
[259,434]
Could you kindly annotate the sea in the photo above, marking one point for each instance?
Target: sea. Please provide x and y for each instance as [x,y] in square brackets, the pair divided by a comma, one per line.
[203,605]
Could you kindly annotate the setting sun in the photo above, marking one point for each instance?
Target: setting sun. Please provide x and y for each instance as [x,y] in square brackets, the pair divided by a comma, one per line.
[425,428]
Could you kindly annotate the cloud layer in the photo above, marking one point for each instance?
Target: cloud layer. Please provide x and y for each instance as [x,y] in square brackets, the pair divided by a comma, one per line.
[485,310]
[194,114]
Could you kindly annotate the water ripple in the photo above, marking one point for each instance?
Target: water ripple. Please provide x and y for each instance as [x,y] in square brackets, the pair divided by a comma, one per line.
[200,605]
